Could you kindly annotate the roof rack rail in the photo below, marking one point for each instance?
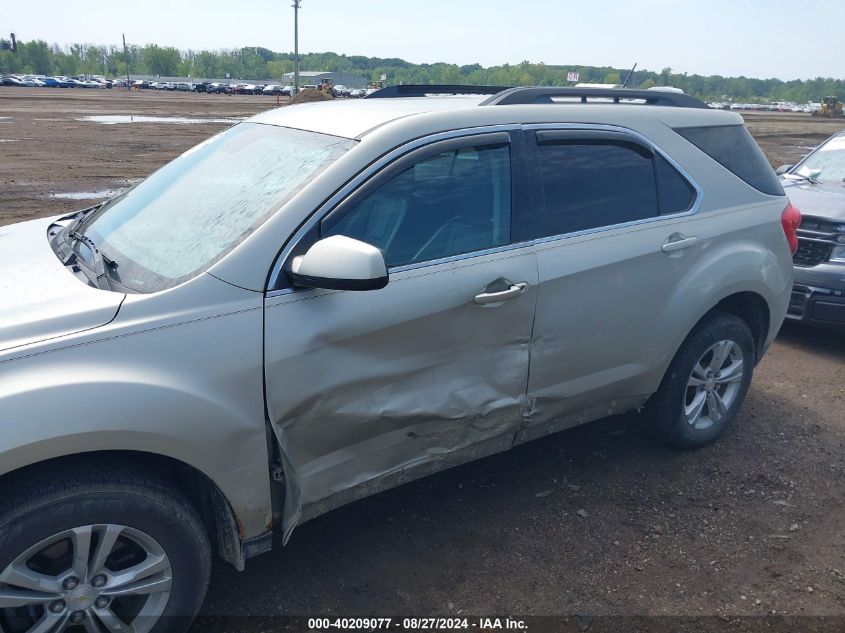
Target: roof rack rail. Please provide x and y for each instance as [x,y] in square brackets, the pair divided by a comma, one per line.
[515,96]
[413,90]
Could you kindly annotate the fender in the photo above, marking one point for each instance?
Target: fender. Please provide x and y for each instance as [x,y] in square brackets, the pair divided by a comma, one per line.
[192,391]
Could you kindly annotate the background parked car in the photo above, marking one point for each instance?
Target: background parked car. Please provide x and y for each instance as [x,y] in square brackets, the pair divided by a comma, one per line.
[815,185]
[30,81]
[55,82]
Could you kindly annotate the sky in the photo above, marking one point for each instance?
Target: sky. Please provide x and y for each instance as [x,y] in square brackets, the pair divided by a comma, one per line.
[787,39]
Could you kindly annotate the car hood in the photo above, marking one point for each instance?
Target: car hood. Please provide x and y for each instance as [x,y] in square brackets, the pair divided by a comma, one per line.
[821,201]
[40,298]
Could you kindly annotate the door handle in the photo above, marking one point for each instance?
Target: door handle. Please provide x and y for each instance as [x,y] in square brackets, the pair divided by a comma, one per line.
[505,295]
[678,244]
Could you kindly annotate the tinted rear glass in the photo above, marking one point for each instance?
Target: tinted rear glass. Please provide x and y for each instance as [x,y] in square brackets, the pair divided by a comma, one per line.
[734,148]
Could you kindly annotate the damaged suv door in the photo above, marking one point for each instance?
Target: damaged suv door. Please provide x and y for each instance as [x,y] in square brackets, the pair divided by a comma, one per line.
[371,389]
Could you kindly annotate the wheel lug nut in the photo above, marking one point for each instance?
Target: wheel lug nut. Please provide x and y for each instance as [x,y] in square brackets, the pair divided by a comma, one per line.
[102,602]
[77,616]
[57,606]
[71,583]
[98,581]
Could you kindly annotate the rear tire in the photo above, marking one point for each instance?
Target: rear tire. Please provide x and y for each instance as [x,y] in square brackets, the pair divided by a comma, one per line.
[105,544]
[706,383]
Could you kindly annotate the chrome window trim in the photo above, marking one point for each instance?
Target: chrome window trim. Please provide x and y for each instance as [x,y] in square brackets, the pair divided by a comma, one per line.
[328,206]
[461,256]
[400,151]
[694,208]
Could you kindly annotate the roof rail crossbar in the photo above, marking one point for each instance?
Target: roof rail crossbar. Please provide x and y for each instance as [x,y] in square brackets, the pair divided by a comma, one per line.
[422,90]
[523,96]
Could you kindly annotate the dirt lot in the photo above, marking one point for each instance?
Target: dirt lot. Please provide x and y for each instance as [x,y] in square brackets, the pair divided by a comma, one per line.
[753,525]
[46,149]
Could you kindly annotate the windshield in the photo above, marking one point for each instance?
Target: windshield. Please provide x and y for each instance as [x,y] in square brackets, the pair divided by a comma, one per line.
[194,210]
[826,164]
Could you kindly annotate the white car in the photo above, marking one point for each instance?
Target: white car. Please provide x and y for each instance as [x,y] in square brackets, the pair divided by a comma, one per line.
[31,82]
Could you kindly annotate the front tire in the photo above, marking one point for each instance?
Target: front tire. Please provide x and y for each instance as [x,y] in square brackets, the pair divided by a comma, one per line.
[105,550]
[706,383]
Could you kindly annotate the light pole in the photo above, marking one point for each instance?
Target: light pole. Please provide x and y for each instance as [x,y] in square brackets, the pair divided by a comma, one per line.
[126,59]
[295,6]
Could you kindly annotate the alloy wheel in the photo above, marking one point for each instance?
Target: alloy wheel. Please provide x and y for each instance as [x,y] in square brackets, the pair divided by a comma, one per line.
[713,384]
[96,578]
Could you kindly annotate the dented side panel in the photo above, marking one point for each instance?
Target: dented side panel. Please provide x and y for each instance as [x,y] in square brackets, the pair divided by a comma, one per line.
[368,389]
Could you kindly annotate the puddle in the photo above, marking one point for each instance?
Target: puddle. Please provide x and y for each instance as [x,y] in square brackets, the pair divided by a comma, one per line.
[87,195]
[112,119]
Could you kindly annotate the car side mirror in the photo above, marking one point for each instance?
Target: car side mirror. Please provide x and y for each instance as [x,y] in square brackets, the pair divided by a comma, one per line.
[340,263]
[780,171]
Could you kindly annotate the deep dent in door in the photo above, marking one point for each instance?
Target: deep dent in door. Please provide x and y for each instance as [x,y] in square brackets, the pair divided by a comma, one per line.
[455,398]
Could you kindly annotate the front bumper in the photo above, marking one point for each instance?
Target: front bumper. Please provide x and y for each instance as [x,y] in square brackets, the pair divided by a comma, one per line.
[818,295]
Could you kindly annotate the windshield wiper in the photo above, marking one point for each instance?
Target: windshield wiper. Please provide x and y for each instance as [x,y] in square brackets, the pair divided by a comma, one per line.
[103,266]
[811,179]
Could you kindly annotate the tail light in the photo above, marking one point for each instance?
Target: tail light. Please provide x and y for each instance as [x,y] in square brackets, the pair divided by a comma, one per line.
[790,219]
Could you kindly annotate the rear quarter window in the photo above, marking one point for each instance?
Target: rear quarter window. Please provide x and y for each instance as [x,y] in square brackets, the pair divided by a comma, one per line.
[733,147]
[674,192]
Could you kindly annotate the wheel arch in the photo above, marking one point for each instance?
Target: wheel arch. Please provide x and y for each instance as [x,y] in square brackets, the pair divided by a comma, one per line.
[752,308]
[223,526]
[749,305]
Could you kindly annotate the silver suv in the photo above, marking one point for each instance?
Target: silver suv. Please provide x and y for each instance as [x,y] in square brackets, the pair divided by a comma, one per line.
[332,299]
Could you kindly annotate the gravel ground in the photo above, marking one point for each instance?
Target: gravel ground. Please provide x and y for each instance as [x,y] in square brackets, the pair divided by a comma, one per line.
[746,534]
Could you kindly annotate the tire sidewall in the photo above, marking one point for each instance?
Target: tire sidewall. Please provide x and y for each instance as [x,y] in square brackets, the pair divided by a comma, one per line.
[175,527]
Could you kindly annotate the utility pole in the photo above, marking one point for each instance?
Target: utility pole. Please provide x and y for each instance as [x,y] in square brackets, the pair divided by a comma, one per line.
[295,6]
[126,61]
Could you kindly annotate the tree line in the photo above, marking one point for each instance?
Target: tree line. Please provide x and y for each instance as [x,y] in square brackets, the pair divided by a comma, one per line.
[253,62]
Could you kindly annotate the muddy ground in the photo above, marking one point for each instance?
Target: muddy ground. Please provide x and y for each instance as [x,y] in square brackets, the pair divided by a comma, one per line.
[45,149]
[753,525]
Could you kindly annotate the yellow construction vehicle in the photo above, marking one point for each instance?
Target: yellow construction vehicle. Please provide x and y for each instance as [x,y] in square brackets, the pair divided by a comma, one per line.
[831,107]
[326,85]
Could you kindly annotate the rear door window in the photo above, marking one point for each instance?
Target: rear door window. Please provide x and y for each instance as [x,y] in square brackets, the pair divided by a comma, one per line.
[591,179]
[590,183]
